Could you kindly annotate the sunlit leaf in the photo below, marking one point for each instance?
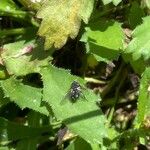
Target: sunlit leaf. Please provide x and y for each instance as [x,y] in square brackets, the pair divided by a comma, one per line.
[61,19]
[24,57]
[83,117]
[144,97]
[104,39]
[23,95]
[7,6]
[140,45]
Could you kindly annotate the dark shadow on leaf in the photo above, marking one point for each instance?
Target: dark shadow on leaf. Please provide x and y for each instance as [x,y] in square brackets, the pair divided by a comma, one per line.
[101,25]
[15,131]
[82,117]
[28,35]
[38,53]
[103,52]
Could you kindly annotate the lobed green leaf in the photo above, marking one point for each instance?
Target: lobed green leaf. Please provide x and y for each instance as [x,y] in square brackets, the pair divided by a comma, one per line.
[83,117]
[20,63]
[23,95]
[104,39]
[140,45]
[61,19]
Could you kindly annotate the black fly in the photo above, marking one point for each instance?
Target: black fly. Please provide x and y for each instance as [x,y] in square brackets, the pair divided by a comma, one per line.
[75,92]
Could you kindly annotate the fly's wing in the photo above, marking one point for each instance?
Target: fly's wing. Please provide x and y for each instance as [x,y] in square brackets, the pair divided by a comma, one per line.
[82,94]
[65,98]
[83,87]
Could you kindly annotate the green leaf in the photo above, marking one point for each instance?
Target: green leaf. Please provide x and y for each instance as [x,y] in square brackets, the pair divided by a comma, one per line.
[7,6]
[3,101]
[3,72]
[13,131]
[104,39]
[30,143]
[138,65]
[23,95]
[20,63]
[135,15]
[61,19]
[79,143]
[140,44]
[83,117]
[115,2]
[144,97]
[27,144]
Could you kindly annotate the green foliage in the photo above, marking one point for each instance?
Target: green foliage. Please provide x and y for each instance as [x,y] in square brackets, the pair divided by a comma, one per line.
[3,101]
[99,37]
[14,131]
[79,144]
[135,15]
[144,97]
[140,45]
[23,95]
[26,55]
[55,28]
[45,46]
[30,144]
[79,115]
[7,6]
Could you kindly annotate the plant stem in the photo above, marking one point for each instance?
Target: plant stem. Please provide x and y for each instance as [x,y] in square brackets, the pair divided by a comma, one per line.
[89,79]
[16,13]
[117,93]
[112,83]
[20,15]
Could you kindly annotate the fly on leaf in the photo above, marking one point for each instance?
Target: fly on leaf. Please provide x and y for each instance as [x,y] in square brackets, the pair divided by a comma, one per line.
[74,93]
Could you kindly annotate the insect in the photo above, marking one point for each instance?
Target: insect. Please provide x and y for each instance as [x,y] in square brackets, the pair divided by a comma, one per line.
[75,92]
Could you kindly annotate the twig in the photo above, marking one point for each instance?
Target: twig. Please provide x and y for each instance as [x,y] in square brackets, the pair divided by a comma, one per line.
[95,80]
